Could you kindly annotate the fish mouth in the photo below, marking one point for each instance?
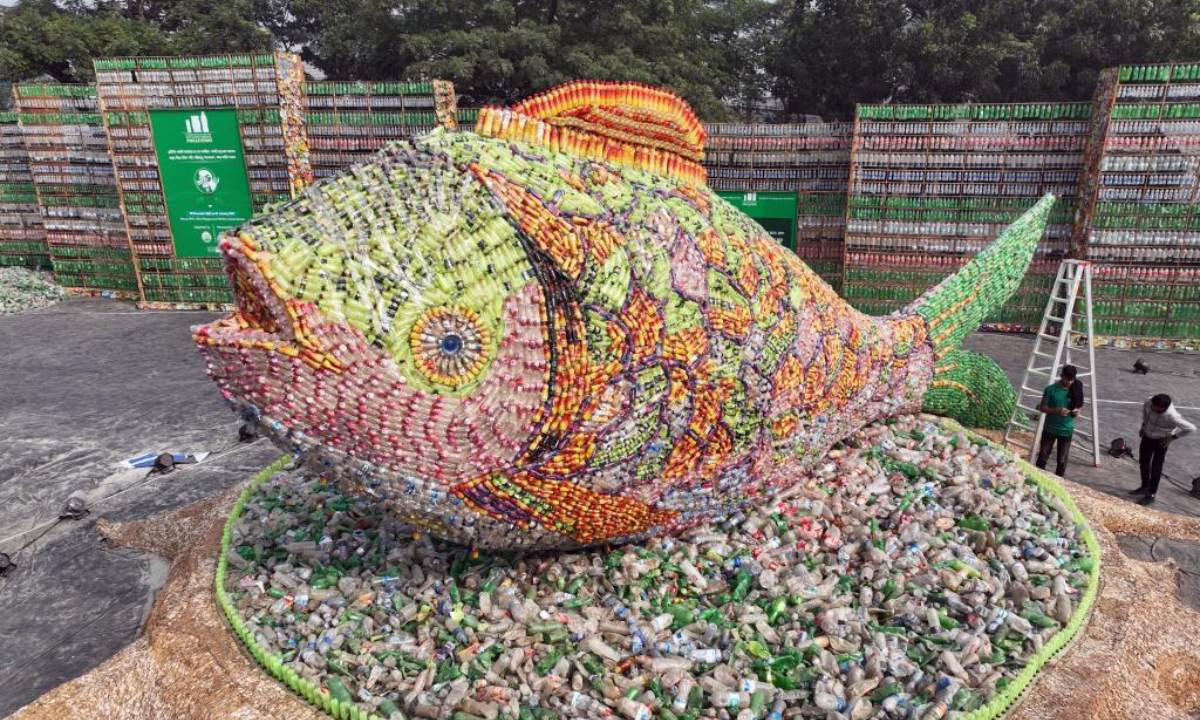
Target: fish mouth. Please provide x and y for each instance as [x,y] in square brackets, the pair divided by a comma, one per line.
[262,318]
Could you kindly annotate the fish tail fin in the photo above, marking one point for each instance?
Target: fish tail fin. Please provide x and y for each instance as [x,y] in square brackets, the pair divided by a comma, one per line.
[966,386]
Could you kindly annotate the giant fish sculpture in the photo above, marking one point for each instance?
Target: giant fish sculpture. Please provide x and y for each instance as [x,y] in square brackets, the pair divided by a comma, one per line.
[550,332]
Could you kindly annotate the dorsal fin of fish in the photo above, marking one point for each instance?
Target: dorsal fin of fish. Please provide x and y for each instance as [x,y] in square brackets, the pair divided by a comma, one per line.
[618,122]
[965,385]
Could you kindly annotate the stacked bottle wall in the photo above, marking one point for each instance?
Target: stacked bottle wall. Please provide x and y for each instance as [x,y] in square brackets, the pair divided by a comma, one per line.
[932,185]
[1143,231]
[22,238]
[347,122]
[466,118]
[129,89]
[810,160]
[76,189]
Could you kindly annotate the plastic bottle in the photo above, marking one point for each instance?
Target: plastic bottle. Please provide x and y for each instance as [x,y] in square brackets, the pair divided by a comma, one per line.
[614,605]
[748,685]
[828,701]
[637,640]
[683,692]
[596,645]
[584,703]
[777,710]
[693,575]
[633,710]
[662,622]
[663,665]
[729,699]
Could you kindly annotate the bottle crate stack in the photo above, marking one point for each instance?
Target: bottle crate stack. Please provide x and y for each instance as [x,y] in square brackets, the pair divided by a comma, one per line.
[466,118]
[22,238]
[884,207]
[75,187]
[1144,229]
[810,159]
[347,122]
[129,88]
[932,185]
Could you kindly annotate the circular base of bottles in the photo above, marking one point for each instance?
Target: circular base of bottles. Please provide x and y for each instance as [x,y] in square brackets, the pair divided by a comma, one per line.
[794,603]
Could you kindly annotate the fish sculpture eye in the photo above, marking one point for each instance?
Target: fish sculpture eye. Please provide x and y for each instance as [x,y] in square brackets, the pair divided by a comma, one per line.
[449,346]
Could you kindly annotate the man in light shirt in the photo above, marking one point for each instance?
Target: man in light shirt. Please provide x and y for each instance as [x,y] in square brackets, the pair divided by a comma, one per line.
[1161,425]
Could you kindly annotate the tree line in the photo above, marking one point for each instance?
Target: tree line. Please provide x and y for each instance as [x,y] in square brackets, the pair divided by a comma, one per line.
[731,59]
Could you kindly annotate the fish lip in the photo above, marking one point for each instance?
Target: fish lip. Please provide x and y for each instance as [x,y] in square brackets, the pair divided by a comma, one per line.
[261,317]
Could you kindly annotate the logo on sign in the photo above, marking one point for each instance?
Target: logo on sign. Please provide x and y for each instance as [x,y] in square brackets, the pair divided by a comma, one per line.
[196,129]
[206,181]
[750,198]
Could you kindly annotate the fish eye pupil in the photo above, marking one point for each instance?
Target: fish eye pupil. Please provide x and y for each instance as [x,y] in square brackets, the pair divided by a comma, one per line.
[452,344]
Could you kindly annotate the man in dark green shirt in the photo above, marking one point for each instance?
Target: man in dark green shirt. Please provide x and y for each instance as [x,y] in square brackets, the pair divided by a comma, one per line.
[1060,403]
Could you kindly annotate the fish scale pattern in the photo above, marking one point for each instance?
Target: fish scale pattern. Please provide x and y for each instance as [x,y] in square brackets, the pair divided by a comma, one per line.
[701,347]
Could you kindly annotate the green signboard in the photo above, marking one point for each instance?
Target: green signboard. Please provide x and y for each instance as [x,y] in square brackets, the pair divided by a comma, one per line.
[203,176]
[775,211]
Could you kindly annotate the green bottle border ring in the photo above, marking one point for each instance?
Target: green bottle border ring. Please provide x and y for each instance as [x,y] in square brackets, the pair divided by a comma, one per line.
[999,705]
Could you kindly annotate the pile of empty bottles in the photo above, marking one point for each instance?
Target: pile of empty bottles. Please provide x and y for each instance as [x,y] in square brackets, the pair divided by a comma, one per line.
[909,576]
[23,290]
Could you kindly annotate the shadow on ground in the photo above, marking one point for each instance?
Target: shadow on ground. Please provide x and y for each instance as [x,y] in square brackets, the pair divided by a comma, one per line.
[1186,556]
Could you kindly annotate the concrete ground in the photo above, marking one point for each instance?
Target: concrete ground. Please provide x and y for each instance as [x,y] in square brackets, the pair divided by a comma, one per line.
[84,385]
[88,383]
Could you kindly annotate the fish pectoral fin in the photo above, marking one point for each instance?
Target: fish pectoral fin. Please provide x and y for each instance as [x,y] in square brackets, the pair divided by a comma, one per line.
[972,389]
[565,507]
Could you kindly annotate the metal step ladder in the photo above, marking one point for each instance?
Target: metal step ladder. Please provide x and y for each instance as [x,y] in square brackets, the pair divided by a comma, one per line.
[1055,346]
